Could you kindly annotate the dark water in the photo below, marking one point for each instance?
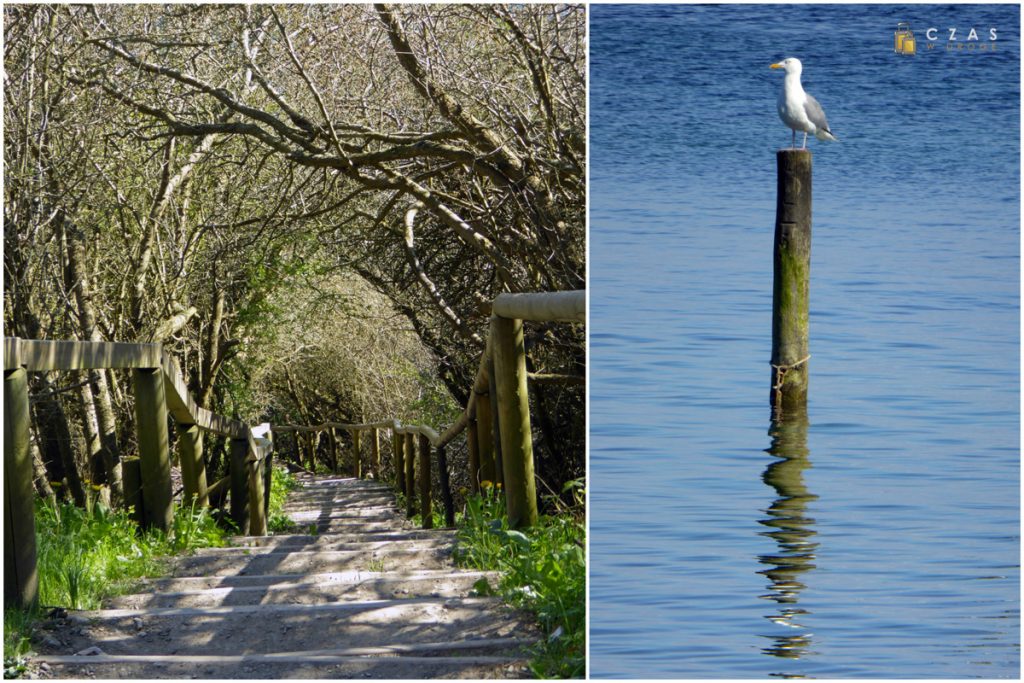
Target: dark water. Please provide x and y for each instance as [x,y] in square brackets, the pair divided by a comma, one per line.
[880,537]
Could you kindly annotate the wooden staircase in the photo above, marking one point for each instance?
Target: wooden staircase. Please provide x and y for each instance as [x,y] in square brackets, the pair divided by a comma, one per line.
[359,593]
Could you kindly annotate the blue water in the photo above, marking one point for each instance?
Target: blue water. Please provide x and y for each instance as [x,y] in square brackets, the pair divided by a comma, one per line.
[881,538]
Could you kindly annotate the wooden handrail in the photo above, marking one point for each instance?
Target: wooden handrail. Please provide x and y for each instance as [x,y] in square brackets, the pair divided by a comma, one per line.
[161,390]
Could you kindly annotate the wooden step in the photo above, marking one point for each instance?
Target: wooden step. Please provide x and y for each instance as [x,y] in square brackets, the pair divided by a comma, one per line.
[324,539]
[233,630]
[330,545]
[318,561]
[257,581]
[353,586]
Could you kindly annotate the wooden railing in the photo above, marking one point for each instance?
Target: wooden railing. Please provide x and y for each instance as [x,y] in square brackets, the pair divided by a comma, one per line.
[160,391]
[496,419]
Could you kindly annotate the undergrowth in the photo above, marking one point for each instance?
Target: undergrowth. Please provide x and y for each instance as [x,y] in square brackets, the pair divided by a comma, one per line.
[543,570]
[86,555]
[281,483]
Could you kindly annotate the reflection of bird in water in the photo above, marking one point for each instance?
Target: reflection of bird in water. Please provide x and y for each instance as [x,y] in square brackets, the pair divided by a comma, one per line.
[797,108]
[792,530]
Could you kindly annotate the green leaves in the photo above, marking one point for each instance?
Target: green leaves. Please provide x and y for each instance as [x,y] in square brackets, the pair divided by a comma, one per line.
[543,570]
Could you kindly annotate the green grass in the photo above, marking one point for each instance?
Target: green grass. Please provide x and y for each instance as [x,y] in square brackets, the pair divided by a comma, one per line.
[85,556]
[543,570]
[282,482]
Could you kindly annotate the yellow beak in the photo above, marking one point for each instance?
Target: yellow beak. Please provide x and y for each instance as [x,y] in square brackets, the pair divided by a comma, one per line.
[775,66]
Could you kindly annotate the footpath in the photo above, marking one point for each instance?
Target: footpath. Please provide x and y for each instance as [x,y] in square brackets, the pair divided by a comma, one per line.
[358,593]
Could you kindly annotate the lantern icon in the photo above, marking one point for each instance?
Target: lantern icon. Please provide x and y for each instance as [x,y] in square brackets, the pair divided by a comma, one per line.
[904,39]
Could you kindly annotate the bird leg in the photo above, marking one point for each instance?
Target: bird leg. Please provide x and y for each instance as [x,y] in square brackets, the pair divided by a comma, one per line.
[792,145]
[805,140]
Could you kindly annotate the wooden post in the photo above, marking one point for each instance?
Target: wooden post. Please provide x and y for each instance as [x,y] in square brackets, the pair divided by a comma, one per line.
[474,455]
[240,484]
[425,497]
[310,438]
[154,447]
[357,458]
[332,443]
[410,474]
[131,475]
[446,487]
[375,452]
[257,512]
[398,442]
[492,396]
[514,420]
[21,580]
[792,269]
[268,478]
[193,472]
[485,438]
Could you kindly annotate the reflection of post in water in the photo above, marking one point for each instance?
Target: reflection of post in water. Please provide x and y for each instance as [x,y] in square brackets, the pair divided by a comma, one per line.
[793,532]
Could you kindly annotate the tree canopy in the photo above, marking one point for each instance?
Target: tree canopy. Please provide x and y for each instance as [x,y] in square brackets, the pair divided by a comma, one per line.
[312,205]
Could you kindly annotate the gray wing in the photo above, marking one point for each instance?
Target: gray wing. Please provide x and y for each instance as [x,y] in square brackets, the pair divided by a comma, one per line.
[815,113]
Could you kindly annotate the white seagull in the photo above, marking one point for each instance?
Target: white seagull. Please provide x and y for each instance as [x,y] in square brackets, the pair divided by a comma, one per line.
[798,109]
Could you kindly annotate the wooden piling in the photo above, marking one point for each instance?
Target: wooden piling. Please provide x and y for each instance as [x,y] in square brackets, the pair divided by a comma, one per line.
[21,580]
[514,420]
[398,445]
[410,474]
[791,289]
[193,472]
[239,473]
[154,447]
[425,497]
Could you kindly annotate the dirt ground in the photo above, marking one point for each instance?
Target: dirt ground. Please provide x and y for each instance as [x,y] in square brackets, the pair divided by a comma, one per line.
[367,596]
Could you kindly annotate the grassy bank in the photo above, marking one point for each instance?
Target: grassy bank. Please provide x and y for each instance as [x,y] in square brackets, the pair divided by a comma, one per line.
[86,556]
[543,570]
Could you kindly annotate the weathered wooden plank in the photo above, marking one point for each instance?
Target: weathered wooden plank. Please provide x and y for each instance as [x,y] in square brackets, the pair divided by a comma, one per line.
[12,353]
[313,657]
[185,410]
[272,609]
[543,306]
[21,580]
[286,581]
[39,355]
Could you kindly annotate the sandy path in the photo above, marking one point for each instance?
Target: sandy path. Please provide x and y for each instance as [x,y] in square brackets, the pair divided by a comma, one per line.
[367,596]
